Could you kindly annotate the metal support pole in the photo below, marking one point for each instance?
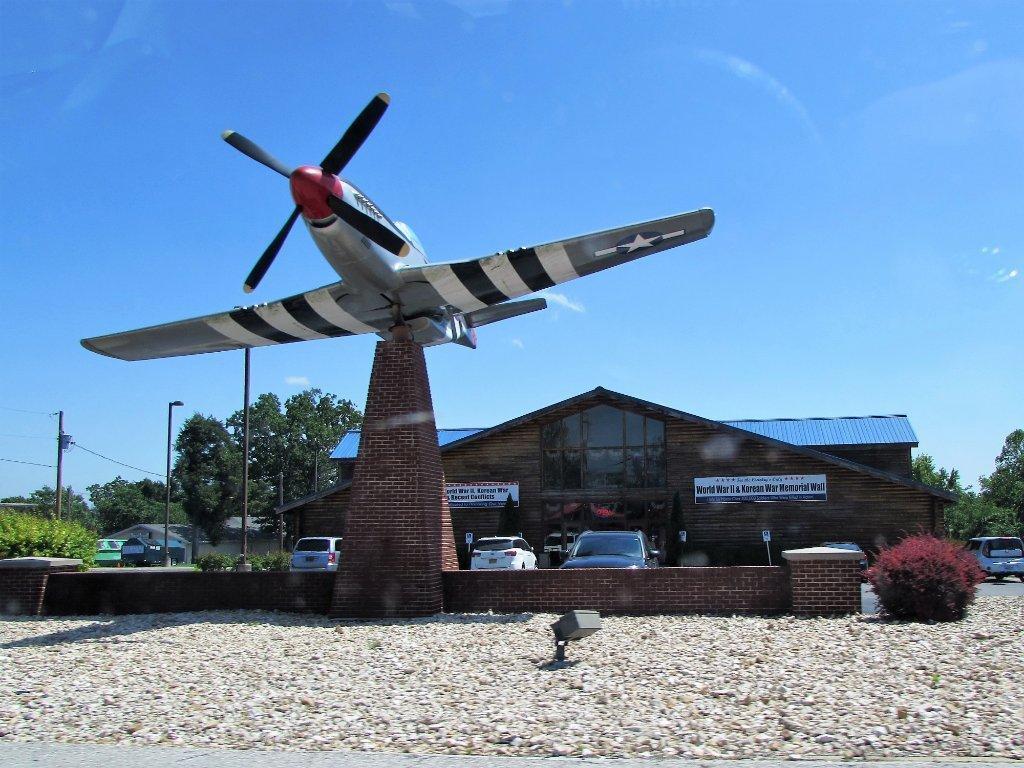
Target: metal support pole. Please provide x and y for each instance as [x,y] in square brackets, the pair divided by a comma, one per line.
[244,565]
[280,515]
[60,461]
[167,487]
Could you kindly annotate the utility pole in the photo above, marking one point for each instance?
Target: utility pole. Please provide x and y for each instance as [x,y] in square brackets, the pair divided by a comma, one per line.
[280,515]
[60,460]
[244,564]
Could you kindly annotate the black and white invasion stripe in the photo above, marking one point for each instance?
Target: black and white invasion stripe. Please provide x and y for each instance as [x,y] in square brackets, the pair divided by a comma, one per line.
[308,316]
[471,285]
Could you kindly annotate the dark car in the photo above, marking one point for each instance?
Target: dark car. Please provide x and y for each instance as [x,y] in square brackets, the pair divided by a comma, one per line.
[612,549]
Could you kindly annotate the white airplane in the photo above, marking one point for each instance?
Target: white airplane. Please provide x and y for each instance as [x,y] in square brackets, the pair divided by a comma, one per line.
[386,279]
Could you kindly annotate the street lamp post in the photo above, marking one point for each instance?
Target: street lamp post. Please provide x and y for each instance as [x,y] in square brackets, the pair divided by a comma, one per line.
[167,489]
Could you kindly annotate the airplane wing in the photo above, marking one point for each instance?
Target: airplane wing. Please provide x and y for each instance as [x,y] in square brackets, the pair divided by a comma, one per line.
[318,314]
[476,283]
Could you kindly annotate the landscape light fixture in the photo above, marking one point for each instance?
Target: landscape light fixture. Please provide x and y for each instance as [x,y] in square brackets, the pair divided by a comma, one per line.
[575,625]
[167,488]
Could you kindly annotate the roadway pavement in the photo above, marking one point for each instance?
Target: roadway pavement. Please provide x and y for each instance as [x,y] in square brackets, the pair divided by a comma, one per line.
[1011,587]
[35,755]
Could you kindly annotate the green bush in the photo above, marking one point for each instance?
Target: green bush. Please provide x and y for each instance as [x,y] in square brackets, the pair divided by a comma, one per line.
[216,561]
[272,561]
[27,535]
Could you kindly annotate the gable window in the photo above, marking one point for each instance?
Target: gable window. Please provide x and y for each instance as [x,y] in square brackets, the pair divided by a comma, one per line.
[603,447]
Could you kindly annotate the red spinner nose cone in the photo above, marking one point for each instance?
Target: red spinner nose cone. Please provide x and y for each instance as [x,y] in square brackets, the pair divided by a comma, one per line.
[311,187]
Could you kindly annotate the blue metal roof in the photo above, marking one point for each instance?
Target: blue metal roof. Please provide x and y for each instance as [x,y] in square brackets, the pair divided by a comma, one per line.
[847,430]
[348,448]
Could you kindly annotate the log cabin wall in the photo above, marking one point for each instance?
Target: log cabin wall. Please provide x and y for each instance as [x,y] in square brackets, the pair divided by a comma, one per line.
[861,508]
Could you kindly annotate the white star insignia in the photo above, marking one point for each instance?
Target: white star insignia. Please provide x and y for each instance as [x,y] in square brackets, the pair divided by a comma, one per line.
[639,242]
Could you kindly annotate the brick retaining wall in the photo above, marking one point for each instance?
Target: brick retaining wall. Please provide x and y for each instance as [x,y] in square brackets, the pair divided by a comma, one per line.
[23,582]
[125,591]
[753,589]
[825,587]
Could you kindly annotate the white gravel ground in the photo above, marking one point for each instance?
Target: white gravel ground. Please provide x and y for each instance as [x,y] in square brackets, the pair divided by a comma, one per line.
[688,686]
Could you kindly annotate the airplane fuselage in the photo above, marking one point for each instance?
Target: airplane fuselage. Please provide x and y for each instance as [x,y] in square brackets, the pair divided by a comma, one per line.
[358,260]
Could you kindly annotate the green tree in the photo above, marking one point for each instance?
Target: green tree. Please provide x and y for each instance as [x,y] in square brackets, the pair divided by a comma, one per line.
[294,439]
[973,514]
[119,504]
[924,471]
[208,471]
[1005,486]
[44,502]
[508,520]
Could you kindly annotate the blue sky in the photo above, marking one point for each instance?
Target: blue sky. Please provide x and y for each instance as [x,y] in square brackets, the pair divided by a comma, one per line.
[864,162]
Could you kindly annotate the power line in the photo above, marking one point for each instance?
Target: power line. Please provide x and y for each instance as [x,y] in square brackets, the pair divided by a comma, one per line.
[121,463]
[22,410]
[33,463]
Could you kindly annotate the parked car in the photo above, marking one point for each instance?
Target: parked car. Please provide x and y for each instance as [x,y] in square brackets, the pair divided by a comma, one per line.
[553,545]
[502,552]
[108,552]
[316,553]
[999,556]
[850,545]
[141,552]
[612,549]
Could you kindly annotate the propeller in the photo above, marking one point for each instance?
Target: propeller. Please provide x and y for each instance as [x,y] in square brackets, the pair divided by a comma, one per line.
[270,254]
[333,163]
[370,227]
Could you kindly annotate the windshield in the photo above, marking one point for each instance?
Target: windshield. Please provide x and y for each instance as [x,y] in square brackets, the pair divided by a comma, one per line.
[313,545]
[626,546]
[493,545]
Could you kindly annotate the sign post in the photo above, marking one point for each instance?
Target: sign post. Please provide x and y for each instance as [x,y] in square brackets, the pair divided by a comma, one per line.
[682,537]
[767,536]
[469,543]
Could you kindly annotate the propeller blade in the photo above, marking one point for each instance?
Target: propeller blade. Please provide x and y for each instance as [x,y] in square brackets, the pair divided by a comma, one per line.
[356,134]
[249,149]
[270,254]
[369,227]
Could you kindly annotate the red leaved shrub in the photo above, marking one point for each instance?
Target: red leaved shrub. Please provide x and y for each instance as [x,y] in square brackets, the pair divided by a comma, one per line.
[926,579]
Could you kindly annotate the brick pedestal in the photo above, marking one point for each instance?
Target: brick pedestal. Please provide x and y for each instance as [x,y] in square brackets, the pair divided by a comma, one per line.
[23,582]
[398,529]
[824,581]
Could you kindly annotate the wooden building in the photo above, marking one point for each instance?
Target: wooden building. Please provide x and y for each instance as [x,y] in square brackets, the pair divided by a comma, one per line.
[604,460]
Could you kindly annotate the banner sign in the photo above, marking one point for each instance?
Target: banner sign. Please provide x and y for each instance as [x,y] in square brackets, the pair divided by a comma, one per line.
[481,494]
[719,490]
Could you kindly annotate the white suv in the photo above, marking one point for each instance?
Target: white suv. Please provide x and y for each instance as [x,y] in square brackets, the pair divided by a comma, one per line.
[504,552]
[317,553]
[999,556]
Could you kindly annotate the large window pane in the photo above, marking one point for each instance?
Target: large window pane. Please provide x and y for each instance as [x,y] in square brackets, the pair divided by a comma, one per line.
[634,428]
[636,512]
[571,469]
[552,469]
[604,426]
[655,432]
[635,467]
[655,466]
[571,431]
[604,468]
[551,435]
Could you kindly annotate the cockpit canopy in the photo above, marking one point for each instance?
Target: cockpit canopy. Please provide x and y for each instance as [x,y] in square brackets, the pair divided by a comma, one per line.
[407,231]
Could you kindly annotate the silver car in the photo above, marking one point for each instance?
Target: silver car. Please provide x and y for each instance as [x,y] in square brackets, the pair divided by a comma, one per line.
[317,553]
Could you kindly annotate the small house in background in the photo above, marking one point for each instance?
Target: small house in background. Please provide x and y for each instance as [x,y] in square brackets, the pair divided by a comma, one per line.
[196,543]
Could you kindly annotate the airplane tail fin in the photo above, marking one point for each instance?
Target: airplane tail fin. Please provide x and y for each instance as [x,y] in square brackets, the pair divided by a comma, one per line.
[500,312]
